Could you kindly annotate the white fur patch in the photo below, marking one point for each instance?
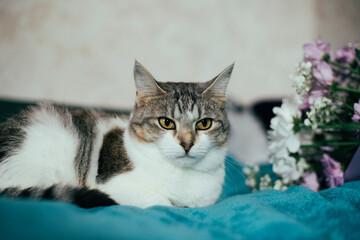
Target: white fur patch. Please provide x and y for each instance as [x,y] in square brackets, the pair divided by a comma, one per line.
[46,157]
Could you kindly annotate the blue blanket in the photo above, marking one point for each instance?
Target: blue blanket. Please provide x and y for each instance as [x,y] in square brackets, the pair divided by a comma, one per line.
[297,213]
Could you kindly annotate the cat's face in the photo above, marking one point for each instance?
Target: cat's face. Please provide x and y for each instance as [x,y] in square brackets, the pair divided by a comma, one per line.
[183,120]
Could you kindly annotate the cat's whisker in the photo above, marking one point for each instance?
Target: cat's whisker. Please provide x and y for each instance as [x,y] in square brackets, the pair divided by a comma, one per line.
[233,181]
[231,164]
[235,163]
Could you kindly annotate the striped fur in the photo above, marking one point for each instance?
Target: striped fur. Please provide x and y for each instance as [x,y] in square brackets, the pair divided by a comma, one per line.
[83,197]
[85,124]
[91,159]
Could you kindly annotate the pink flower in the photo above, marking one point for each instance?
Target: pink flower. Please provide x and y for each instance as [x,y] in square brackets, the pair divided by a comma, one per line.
[332,171]
[310,181]
[323,73]
[314,52]
[356,116]
[346,54]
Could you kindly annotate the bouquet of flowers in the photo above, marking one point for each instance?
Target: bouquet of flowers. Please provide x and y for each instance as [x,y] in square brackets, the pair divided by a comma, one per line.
[316,132]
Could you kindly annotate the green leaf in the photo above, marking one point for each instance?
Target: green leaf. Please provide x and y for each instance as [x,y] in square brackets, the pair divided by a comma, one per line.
[326,58]
[297,124]
[333,87]
[357,53]
[354,64]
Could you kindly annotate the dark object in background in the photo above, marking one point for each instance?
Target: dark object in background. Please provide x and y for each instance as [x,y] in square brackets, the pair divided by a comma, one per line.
[9,108]
[263,110]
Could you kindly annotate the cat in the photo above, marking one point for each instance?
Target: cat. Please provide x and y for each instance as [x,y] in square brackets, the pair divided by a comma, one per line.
[170,151]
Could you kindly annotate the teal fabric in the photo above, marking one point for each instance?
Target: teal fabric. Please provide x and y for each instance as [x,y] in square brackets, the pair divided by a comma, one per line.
[297,213]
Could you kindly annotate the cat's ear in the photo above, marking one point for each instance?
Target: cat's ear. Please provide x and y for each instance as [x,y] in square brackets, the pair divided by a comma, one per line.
[146,85]
[216,88]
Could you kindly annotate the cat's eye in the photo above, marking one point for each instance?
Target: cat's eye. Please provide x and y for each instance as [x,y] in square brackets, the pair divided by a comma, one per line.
[204,124]
[167,123]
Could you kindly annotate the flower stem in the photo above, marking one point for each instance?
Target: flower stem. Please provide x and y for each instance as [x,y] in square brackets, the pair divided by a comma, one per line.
[344,67]
[347,75]
[348,126]
[345,89]
[310,155]
[351,126]
[331,144]
[338,98]
[349,108]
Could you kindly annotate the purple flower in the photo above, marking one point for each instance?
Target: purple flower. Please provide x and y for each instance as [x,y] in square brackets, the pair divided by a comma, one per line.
[305,103]
[346,54]
[327,148]
[332,171]
[314,95]
[356,116]
[323,73]
[310,181]
[314,52]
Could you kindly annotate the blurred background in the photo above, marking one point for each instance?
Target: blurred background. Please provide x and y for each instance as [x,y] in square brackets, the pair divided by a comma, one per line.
[82,52]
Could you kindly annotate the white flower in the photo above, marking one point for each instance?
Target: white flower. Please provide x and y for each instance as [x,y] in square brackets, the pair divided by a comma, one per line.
[284,141]
[302,165]
[266,178]
[305,68]
[265,182]
[279,185]
[251,182]
[300,84]
[302,79]
[246,171]
[285,167]
[321,110]
[282,125]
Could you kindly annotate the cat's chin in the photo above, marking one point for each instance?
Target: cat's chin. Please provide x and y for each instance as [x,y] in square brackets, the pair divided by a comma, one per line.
[184,161]
[186,157]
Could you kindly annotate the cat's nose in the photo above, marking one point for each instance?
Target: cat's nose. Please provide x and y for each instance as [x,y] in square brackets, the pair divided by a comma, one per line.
[186,146]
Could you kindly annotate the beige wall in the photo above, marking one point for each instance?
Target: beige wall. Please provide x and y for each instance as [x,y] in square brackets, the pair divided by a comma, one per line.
[82,52]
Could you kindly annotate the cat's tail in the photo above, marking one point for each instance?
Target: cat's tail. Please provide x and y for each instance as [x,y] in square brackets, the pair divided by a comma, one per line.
[81,196]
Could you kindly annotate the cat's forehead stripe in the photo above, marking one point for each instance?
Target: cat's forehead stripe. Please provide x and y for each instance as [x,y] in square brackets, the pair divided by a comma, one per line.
[177,111]
[195,111]
[190,115]
[185,108]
